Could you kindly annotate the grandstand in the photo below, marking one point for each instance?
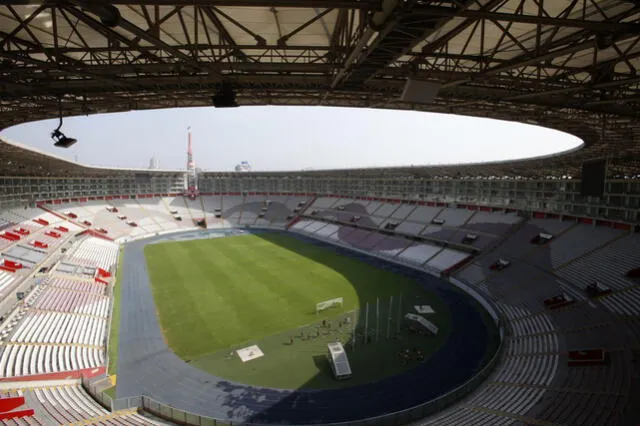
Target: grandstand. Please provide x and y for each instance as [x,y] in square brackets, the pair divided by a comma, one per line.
[60,329]
[552,257]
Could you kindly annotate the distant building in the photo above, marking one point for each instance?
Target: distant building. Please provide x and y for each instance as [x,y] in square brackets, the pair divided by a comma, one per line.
[153,163]
[243,167]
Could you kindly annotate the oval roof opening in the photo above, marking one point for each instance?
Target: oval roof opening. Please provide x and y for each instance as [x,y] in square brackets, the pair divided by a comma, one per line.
[273,138]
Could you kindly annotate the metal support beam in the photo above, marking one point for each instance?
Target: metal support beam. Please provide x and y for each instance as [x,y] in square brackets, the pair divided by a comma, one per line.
[335,4]
[427,12]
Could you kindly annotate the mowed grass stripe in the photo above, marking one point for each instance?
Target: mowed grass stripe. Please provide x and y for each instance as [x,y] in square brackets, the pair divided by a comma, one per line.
[240,275]
[243,279]
[271,286]
[209,287]
[288,274]
[216,293]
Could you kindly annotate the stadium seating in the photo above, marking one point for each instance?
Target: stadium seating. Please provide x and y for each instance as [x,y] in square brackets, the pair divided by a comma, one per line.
[70,404]
[95,252]
[446,225]
[394,247]
[63,323]
[607,266]
[62,328]
[157,216]
[194,207]
[134,211]
[576,242]
[6,278]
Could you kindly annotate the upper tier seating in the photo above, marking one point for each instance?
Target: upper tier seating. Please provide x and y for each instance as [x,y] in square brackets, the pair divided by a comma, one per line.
[446,259]
[177,205]
[157,215]
[439,259]
[136,212]
[454,217]
[27,216]
[497,223]
[449,225]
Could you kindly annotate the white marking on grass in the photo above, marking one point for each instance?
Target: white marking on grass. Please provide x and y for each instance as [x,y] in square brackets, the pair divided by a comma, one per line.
[249,353]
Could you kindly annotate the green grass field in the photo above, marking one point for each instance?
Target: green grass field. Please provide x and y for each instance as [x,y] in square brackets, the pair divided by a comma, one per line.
[217,295]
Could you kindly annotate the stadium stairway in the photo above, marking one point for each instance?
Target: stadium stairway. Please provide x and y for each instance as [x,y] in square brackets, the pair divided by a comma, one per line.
[301,213]
[63,217]
[204,212]
[239,220]
[153,218]
[166,205]
[186,205]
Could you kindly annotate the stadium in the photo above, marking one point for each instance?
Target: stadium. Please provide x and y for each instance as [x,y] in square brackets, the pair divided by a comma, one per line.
[492,293]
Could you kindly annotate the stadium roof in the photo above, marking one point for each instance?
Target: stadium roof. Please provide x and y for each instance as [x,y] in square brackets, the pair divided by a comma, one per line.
[20,160]
[565,64]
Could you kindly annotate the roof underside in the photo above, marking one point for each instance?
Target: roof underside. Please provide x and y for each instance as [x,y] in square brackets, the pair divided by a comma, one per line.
[565,64]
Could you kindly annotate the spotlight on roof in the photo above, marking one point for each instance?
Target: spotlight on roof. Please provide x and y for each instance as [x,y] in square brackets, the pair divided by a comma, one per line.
[225,97]
[60,140]
[109,15]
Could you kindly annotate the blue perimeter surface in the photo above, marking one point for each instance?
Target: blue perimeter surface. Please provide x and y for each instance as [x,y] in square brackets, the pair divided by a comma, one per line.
[146,365]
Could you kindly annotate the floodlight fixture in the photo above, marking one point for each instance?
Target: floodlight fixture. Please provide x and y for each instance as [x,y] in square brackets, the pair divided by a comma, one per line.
[109,14]
[60,139]
[225,97]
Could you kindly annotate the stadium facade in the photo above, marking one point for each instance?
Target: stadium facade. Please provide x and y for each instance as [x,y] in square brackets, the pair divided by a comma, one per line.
[489,185]
[459,223]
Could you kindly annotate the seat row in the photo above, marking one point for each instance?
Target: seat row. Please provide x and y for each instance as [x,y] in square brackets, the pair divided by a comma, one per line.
[24,360]
[393,247]
[466,415]
[60,328]
[75,285]
[71,404]
[96,252]
[6,278]
[413,219]
[538,386]
[55,299]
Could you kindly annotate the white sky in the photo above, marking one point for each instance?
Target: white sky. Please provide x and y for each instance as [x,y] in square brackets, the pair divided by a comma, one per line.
[291,138]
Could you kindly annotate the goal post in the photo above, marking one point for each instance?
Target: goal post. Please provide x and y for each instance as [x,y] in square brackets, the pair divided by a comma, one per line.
[321,306]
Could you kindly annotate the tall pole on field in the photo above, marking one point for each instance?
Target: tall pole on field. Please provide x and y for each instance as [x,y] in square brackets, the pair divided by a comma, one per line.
[353,328]
[389,316]
[366,322]
[377,317]
[399,313]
